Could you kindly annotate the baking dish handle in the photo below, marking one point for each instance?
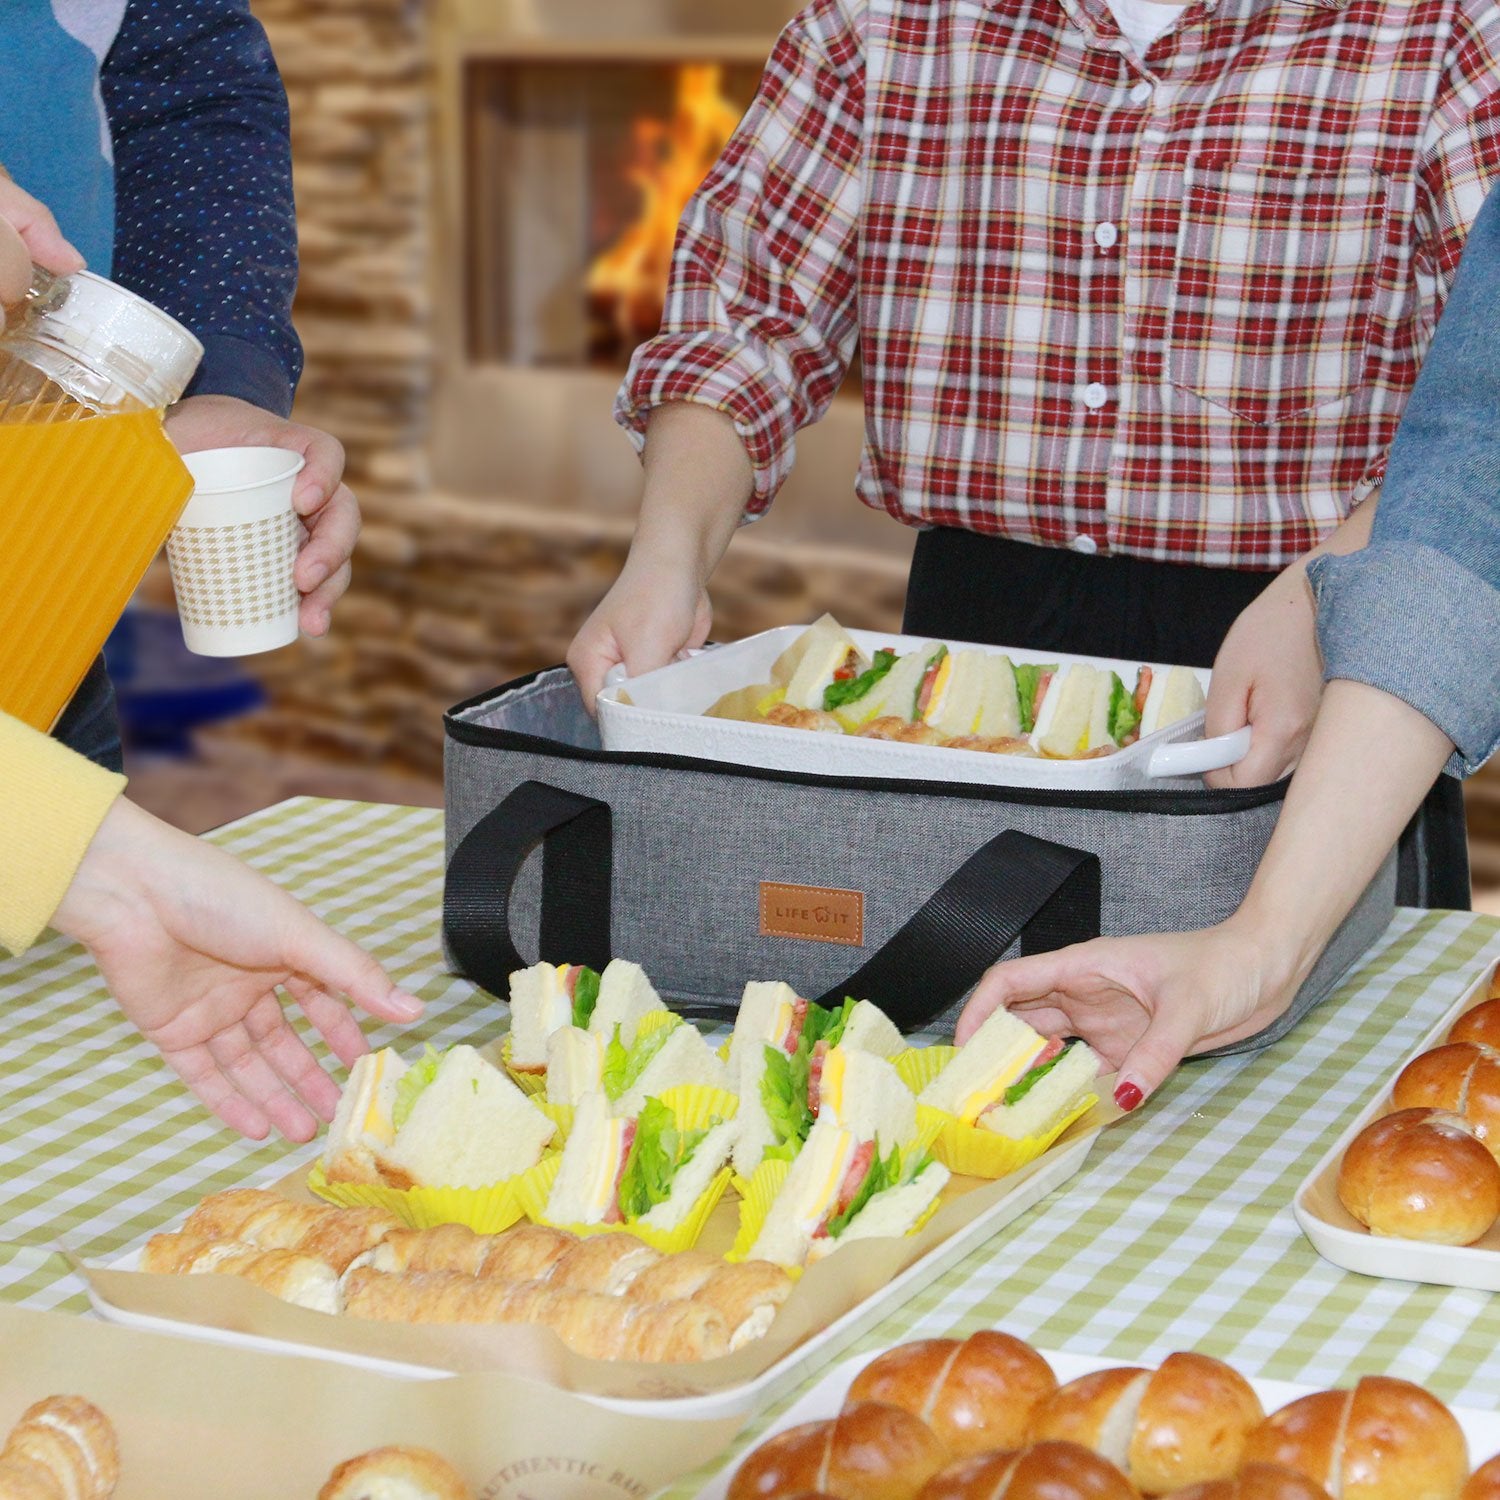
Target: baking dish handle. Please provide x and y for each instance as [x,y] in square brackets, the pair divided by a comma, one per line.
[1194,757]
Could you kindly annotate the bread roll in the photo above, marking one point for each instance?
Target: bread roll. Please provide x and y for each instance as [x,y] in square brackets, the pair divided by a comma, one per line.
[72,1441]
[1463,1077]
[1097,1411]
[675,1276]
[1482,1024]
[870,1451]
[1258,1482]
[1045,1471]
[396,1474]
[526,1253]
[1421,1174]
[1191,1426]
[747,1296]
[443,1247]
[21,1479]
[270,1222]
[300,1279]
[976,1394]
[1484,1483]
[602,1263]
[1385,1440]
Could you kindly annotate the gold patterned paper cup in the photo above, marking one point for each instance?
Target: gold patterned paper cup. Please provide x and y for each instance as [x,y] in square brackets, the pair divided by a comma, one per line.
[232,552]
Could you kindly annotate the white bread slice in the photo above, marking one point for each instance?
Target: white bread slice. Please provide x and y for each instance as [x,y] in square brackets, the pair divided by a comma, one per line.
[539,1005]
[765,1013]
[891,1213]
[807,1195]
[362,1122]
[992,1059]
[684,1058]
[626,997]
[807,666]
[693,1178]
[896,693]
[1062,726]
[1174,695]
[869,1029]
[1000,710]
[865,1095]
[587,1183]
[1049,1099]
[575,1063]
[957,693]
[470,1127]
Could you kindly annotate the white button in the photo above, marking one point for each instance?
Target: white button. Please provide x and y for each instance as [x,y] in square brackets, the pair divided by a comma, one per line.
[1141,93]
[1084,544]
[1094,396]
[1105,235]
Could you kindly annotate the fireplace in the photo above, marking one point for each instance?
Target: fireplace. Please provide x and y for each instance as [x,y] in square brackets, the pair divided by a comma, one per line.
[573,133]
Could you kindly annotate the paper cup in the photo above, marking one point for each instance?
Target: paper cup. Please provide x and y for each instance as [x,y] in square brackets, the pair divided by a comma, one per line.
[232,551]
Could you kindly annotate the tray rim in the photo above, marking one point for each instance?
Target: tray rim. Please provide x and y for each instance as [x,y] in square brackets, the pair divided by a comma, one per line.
[1465,1266]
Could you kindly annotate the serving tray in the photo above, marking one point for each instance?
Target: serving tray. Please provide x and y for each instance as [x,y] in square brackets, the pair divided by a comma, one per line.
[1339,1237]
[661,712]
[1481,1428]
[239,1315]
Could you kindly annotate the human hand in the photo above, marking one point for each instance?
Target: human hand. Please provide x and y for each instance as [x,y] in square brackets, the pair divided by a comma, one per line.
[28,234]
[327,505]
[1142,1003]
[654,612]
[194,945]
[1268,674]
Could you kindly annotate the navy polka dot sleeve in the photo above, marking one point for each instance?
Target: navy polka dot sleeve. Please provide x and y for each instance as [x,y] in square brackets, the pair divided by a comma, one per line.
[205,222]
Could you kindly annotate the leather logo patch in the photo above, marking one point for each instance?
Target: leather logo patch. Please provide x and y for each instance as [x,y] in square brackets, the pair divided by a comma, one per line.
[813,913]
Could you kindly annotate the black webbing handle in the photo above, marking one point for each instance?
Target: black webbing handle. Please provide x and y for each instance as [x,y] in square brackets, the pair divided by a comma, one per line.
[1016,886]
[577,862]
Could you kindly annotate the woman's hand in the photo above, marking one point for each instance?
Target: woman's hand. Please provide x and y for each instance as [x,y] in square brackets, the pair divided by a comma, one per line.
[1142,1003]
[194,946]
[28,234]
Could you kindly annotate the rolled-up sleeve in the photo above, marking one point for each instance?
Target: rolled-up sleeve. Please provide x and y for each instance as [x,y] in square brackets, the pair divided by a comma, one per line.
[760,320]
[1417,612]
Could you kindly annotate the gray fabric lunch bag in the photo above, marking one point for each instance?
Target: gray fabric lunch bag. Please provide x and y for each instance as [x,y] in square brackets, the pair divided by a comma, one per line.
[903,892]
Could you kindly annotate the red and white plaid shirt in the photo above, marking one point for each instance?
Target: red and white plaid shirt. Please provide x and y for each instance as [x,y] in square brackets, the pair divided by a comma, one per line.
[1169,306]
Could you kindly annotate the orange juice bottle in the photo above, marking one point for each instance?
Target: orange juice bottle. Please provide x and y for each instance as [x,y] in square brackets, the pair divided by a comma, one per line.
[89,483]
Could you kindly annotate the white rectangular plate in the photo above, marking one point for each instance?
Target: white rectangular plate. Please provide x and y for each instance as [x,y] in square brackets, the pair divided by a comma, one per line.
[661,712]
[1032,1184]
[1481,1429]
[1337,1236]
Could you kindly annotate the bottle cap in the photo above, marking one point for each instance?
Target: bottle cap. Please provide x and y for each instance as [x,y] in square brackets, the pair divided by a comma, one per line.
[99,329]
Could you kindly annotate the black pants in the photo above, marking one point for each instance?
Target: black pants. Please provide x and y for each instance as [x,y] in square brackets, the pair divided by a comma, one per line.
[964,586]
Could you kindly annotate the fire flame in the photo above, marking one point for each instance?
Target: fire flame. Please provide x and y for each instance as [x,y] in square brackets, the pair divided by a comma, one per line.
[670,158]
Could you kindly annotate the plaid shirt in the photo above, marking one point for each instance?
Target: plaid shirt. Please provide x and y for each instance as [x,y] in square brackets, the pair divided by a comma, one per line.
[1168,306]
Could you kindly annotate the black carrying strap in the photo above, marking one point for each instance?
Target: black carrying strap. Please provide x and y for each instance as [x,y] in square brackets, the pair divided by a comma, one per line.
[577,864]
[1015,887]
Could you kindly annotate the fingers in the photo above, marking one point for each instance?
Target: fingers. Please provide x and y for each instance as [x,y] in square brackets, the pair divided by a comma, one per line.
[332,531]
[332,1020]
[33,221]
[1169,1034]
[1006,984]
[15,266]
[1228,710]
[203,1076]
[592,654]
[315,612]
[335,965]
[322,473]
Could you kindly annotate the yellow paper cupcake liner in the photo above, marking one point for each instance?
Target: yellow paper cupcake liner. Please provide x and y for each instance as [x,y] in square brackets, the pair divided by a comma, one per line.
[695,1105]
[531,1084]
[485,1210]
[757,1194]
[561,1115]
[971,1150]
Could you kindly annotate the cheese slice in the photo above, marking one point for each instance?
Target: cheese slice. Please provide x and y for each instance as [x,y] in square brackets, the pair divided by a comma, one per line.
[1010,1066]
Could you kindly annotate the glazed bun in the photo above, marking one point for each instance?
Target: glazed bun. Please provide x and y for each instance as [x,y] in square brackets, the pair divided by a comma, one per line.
[1045,1471]
[1463,1077]
[1385,1440]
[396,1473]
[1421,1174]
[1258,1482]
[1482,1024]
[977,1394]
[1484,1483]
[1182,1425]
[870,1451]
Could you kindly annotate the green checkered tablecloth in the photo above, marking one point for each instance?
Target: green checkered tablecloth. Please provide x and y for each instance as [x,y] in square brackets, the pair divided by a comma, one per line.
[1177,1234]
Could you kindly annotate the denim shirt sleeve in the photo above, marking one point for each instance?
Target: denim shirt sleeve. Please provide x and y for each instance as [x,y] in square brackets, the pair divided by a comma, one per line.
[1417,612]
[205,221]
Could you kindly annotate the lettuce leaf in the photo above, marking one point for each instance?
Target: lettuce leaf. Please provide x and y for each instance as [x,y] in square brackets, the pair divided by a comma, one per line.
[888,1173]
[411,1083]
[851,689]
[1028,1081]
[660,1150]
[822,1025]
[624,1065]
[1028,675]
[783,1094]
[1123,717]
[585,996]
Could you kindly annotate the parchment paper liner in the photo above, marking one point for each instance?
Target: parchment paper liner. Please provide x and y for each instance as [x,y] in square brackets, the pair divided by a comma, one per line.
[970,1149]
[198,1420]
[827,1291]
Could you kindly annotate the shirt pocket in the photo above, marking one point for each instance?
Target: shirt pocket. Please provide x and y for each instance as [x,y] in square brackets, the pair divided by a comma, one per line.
[1274,285]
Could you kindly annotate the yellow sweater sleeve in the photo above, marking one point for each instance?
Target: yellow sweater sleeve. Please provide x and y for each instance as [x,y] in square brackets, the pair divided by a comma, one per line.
[51,803]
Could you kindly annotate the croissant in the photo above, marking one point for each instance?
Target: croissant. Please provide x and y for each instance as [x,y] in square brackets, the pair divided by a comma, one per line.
[63,1446]
[257,1218]
[413,1473]
[300,1279]
[602,1263]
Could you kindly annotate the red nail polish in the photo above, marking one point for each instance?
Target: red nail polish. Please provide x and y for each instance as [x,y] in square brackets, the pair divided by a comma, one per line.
[1128,1096]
